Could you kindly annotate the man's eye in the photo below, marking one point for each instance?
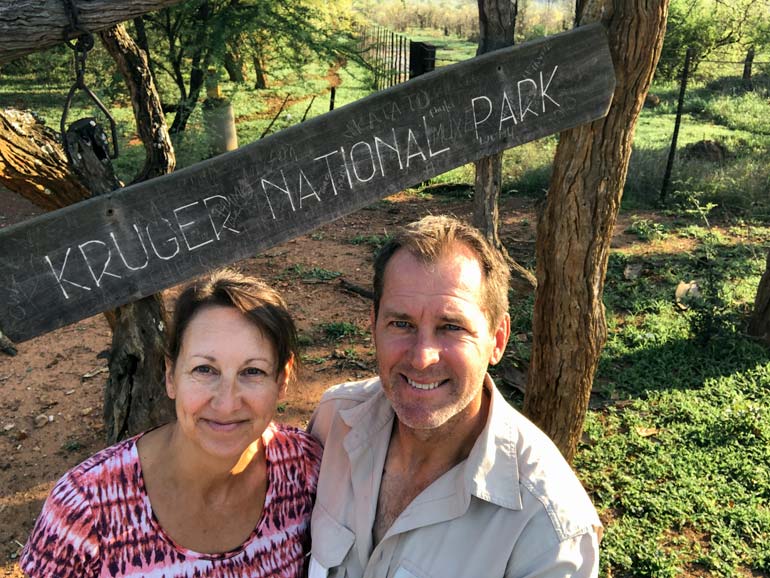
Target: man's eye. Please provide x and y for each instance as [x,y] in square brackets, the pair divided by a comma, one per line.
[401,324]
[452,327]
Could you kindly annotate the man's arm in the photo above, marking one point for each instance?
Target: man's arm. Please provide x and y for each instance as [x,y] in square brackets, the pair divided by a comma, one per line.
[576,557]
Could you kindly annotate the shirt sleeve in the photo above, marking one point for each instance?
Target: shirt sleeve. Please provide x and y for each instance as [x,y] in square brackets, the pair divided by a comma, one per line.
[577,557]
[320,421]
[64,542]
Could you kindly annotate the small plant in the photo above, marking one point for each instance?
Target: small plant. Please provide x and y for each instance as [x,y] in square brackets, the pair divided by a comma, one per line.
[316,273]
[340,329]
[304,340]
[374,241]
[72,446]
[647,229]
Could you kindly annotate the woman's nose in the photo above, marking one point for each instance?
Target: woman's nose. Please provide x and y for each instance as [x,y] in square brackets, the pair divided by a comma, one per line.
[226,397]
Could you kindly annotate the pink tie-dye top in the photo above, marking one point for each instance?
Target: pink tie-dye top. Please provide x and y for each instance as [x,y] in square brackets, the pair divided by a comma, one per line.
[98,520]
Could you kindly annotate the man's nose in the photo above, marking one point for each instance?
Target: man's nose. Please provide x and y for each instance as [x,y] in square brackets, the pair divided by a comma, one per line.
[426,351]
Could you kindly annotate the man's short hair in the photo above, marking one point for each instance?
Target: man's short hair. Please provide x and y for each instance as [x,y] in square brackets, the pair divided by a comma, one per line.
[429,238]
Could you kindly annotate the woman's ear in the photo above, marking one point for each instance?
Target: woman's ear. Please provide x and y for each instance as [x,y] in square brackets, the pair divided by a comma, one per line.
[284,377]
[170,385]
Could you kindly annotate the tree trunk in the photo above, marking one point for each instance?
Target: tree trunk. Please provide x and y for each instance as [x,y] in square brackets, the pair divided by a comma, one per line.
[497,20]
[134,397]
[200,61]
[495,31]
[233,63]
[747,65]
[574,232]
[259,72]
[150,121]
[33,163]
[759,325]
[34,25]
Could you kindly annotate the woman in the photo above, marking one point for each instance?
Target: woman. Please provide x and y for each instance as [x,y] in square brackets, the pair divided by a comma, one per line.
[221,491]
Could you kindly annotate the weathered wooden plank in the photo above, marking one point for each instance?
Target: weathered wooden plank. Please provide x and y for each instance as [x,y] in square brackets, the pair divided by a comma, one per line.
[107,251]
[28,26]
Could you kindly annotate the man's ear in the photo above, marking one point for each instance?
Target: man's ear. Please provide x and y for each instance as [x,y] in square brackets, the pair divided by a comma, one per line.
[170,385]
[372,322]
[500,336]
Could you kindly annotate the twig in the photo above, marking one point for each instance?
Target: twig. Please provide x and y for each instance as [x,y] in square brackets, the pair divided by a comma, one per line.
[307,110]
[348,286]
[272,122]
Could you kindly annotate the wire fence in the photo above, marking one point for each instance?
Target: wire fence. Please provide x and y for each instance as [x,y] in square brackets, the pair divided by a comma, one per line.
[387,54]
[710,80]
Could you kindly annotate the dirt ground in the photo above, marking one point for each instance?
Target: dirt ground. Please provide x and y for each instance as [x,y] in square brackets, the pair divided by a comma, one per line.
[51,392]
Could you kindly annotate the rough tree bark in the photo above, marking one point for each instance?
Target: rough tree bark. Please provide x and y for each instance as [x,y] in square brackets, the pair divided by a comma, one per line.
[134,397]
[133,64]
[497,21]
[33,25]
[574,232]
[33,163]
[759,324]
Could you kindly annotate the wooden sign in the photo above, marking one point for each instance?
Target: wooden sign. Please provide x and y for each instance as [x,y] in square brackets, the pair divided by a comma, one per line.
[97,254]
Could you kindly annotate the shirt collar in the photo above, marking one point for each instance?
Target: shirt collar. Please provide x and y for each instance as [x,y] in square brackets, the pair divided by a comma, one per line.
[491,471]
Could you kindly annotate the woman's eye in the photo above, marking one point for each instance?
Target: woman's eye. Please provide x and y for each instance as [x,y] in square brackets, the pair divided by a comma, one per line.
[203,369]
[253,372]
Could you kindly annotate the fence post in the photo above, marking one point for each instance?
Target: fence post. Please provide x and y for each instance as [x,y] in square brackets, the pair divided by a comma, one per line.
[675,136]
[331,97]
[392,60]
[377,57]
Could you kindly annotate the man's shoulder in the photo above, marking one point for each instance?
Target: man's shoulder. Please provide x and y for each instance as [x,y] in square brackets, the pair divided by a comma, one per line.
[351,393]
[340,398]
[549,480]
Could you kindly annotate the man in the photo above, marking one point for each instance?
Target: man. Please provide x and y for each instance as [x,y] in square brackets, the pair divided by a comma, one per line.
[427,471]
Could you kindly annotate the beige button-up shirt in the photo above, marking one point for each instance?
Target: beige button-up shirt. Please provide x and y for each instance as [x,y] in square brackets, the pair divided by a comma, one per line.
[512,509]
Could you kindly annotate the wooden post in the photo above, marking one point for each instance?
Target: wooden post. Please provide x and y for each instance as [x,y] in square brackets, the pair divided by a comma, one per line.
[332,93]
[677,123]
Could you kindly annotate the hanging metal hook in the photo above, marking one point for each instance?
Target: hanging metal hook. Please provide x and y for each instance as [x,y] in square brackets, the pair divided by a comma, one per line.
[83,43]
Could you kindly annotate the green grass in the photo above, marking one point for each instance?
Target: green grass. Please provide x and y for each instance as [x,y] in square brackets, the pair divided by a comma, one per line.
[678,460]
[338,330]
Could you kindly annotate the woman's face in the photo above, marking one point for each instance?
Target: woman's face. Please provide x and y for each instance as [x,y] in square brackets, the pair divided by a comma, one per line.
[225,382]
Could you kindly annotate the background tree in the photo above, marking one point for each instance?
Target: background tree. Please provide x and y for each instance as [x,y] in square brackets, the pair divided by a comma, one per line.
[201,33]
[707,26]
[575,229]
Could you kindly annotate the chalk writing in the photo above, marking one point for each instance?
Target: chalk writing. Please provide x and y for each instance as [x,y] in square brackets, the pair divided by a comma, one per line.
[112,249]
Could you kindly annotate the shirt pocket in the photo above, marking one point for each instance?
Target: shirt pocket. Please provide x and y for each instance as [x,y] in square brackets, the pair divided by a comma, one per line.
[331,543]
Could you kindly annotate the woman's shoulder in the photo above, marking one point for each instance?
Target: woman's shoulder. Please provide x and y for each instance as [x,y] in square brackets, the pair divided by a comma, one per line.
[293,440]
[288,444]
[104,463]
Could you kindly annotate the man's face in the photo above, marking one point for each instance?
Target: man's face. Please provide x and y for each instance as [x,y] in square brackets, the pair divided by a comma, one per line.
[433,340]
